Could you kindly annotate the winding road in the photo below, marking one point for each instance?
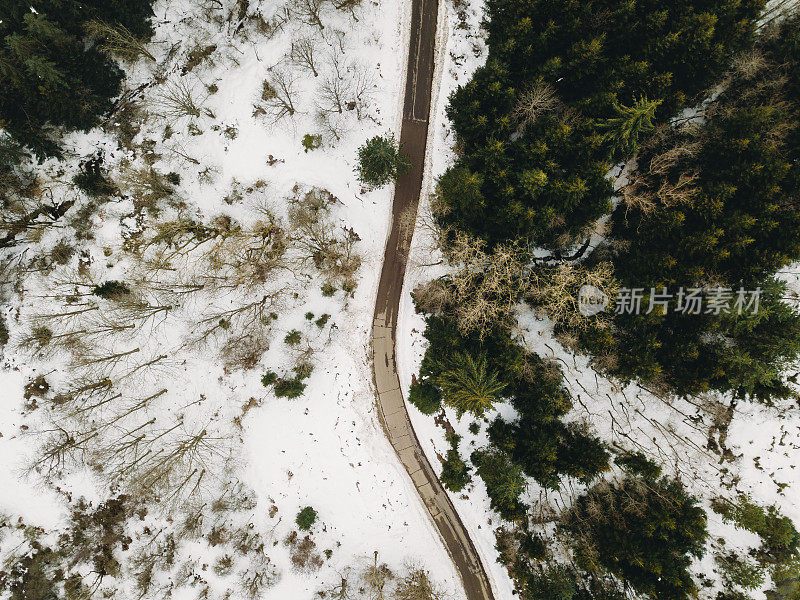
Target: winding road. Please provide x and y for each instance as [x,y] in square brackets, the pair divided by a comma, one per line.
[413,137]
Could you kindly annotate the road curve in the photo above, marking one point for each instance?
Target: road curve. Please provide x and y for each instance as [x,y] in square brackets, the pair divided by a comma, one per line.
[392,409]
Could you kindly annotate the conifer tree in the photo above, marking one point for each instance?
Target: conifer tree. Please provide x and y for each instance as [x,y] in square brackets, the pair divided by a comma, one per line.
[714,207]
[380,161]
[468,385]
[50,74]
[623,129]
[644,531]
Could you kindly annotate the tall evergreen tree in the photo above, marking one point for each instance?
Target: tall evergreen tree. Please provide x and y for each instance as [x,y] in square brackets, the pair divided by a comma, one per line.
[468,385]
[644,531]
[50,74]
[623,130]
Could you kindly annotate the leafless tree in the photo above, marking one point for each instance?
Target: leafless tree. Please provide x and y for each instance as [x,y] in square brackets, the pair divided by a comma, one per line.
[333,125]
[117,40]
[178,100]
[541,98]
[555,292]
[375,577]
[416,584]
[310,11]
[484,287]
[277,95]
[304,54]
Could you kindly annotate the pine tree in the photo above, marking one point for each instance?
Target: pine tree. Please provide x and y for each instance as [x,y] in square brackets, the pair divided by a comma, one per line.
[50,74]
[623,130]
[715,207]
[542,176]
[644,531]
[380,161]
[468,385]
[504,481]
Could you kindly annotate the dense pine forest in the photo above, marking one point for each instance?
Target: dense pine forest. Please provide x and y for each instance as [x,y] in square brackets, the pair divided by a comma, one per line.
[651,150]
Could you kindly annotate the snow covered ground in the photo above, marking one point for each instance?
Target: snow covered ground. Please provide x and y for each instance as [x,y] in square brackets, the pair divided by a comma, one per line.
[326,448]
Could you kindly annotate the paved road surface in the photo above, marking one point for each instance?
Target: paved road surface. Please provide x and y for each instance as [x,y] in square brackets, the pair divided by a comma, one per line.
[390,399]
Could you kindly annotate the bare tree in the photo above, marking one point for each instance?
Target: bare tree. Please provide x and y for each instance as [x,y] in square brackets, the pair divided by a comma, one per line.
[416,584]
[555,292]
[334,125]
[334,94]
[304,54]
[541,98]
[375,577]
[178,100]
[485,287]
[277,96]
[310,11]
[117,40]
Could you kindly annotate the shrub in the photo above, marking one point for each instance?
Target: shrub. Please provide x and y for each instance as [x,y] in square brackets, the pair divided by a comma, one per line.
[3,332]
[455,472]
[289,388]
[111,290]
[380,161]
[311,142]
[328,290]
[323,320]
[306,518]
[269,378]
[303,370]
[426,397]
[92,181]
[293,337]
[309,316]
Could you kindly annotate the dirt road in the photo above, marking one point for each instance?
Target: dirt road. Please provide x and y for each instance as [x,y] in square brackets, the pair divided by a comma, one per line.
[401,434]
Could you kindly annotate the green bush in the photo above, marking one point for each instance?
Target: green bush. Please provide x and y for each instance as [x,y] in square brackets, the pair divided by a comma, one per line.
[306,518]
[289,388]
[111,290]
[311,142]
[455,472]
[780,539]
[92,180]
[328,289]
[322,321]
[426,397]
[380,161]
[293,337]
[3,332]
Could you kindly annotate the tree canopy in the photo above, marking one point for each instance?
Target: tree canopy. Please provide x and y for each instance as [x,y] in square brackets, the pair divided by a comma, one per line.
[51,75]
[533,124]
